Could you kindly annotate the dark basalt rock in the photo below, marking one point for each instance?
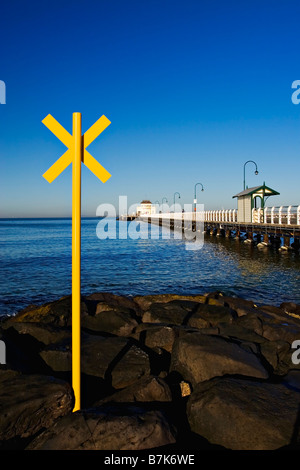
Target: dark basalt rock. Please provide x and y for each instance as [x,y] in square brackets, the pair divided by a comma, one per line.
[29,403]
[241,414]
[209,370]
[210,315]
[114,359]
[174,312]
[107,319]
[199,357]
[149,389]
[108,427]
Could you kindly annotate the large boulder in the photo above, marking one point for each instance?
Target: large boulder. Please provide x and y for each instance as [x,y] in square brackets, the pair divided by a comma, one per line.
[245,415]
[279,314]
[283,331]
[23,347]
[112,300]
[43,333]
[278,353]
[292,380]
[97,353]
[291,308]
[235,303]
[199,357]
[210,315]
[239,332]
[110,319]
[132,366]
[115,359]
[158,336]
[149,389]
[252,322]
[174,312]
[57,313]
[29,403]
[145,301]
[271,323]
[109,427]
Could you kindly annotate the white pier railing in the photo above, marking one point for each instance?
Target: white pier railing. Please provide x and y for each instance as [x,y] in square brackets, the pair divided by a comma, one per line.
[229,215]
[282,215]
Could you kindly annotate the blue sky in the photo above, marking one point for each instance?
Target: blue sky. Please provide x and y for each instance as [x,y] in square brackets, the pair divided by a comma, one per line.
[193,90]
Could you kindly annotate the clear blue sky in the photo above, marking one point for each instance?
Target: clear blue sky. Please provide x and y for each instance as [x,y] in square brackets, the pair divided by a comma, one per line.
[193,89]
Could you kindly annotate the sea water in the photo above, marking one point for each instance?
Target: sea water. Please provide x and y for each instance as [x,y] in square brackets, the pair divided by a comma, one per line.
[36,262]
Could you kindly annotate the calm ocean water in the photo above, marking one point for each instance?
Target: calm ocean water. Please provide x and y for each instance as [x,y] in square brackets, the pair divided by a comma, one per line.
[35,266]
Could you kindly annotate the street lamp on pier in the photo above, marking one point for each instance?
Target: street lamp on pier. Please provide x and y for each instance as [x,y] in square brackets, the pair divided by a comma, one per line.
[157,203]
[162,202]
[256,171]
[195,199]
[174,198]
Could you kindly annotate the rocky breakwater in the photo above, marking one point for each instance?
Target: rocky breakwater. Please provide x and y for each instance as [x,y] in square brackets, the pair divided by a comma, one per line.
[158,372]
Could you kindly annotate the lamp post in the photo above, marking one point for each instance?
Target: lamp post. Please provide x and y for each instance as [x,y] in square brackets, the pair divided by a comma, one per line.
[195,200]
[162,202]
[256,171]
[174,198]
[157,203]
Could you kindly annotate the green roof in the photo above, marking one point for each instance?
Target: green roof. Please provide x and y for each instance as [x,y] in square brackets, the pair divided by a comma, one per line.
[263,189]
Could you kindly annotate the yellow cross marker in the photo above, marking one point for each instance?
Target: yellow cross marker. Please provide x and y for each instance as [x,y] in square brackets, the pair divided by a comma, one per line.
[76,154]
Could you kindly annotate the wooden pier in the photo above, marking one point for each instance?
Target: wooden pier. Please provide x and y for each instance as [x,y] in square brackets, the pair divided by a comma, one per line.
[126,217]
[285,236]
[277,227]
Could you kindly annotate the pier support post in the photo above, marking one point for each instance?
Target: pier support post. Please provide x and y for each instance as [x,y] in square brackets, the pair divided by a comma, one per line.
[287,241]
[228,233]
[263,240]
[275,241]
[249,238]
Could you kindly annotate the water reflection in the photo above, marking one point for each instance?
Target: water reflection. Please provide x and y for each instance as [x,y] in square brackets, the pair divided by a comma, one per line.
[267,275]
[266,257]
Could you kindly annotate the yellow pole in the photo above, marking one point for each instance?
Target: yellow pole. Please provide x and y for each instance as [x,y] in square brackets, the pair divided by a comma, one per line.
[76,245]
[76,154]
